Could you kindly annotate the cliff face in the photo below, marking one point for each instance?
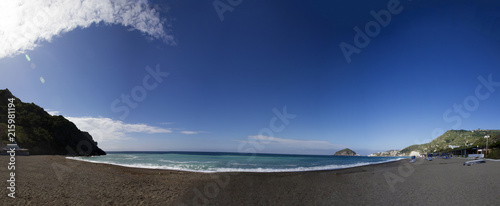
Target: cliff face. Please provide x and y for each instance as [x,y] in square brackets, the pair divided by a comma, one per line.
[345,152]
[42,133]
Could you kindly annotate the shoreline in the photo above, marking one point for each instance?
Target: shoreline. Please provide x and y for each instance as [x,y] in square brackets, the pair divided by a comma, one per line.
[44,180]
[210,172]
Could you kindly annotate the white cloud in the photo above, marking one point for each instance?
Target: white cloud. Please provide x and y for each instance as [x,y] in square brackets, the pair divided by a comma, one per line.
[25,23]
[106,129]
[53,113]
[292,143]
[192,132]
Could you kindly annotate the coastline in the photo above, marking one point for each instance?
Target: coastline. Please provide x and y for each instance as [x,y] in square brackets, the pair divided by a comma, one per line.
[245,170]
[43,180]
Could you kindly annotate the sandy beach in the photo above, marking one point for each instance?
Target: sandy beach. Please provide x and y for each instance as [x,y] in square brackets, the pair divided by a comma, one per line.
[55,180]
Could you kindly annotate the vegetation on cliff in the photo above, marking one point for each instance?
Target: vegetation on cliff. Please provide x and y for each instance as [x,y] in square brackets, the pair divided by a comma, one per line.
[42,133]
[456,139]
[452,140]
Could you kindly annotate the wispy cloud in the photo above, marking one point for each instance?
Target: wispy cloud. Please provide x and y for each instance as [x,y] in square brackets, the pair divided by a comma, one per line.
[106,129]
[52,112]
[26,23]
[192,132]
[291,143]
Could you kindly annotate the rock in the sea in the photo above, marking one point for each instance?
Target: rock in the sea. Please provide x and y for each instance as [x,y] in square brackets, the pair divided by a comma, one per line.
[42,133]
[345,152]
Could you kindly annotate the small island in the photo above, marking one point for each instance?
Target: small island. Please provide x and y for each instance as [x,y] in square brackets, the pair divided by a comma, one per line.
[345,152]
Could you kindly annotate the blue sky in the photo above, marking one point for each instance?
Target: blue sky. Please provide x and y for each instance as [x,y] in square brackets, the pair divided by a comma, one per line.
[197,82]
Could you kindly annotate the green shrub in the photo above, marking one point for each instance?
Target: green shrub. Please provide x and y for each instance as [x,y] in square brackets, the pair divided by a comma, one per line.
[494,153]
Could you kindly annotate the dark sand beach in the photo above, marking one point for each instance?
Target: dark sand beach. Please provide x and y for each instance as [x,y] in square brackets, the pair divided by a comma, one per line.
[54,180]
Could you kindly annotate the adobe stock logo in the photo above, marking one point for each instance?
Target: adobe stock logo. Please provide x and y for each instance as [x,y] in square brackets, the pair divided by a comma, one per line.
[372,29]
[458,112]
[138,93]
[222,7]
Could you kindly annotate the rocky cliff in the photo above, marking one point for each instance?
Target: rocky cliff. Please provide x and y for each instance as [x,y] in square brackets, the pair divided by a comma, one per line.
[42,133]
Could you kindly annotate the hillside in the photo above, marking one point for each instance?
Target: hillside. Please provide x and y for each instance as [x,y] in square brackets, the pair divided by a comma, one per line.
[388,153]
[345,152]
[455,139]
[42,133]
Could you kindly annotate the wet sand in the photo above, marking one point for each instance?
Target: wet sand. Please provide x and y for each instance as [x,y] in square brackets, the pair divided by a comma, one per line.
[54,180]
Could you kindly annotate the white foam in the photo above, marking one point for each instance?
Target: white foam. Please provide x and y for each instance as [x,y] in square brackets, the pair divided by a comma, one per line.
[176,162]
[214,170]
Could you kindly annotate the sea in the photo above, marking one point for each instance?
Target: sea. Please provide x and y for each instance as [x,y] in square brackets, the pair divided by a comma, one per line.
[210,162]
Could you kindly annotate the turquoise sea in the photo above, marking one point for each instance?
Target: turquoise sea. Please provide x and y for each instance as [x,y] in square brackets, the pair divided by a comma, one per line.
[233,162]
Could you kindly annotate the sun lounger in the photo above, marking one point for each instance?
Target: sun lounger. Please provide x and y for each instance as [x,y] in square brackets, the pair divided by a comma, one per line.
[469,163]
